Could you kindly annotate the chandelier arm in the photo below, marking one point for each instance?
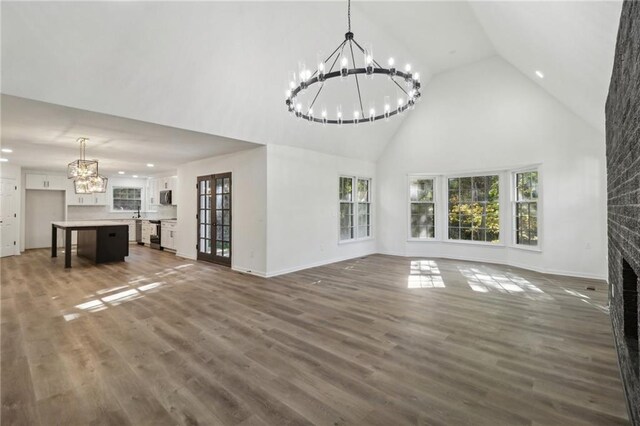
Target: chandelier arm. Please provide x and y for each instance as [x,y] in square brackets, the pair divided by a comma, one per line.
[337,56]
[329,57]
[353,58]
[315,97]
[380,66]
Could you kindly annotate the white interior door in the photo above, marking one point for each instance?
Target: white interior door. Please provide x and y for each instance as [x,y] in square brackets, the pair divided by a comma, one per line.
[42,208]
[8,231]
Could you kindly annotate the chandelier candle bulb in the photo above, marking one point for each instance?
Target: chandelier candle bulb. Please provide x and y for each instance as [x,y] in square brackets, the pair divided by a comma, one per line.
[368,61]
[372,114]
[387,108]
[344,67]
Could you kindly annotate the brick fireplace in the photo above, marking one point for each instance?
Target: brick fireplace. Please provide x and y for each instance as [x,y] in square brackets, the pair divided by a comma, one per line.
[623,187]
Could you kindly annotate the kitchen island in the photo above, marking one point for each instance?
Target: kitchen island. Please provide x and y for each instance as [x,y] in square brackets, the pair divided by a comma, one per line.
[100,241]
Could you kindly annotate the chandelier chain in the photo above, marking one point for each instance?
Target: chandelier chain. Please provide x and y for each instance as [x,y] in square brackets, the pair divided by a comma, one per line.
[349,14]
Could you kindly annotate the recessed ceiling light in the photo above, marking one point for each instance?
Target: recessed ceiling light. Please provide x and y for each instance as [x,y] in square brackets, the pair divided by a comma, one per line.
[7,150]
[4,160]
[540,74]
[135,176]
[149,165]
[120,173]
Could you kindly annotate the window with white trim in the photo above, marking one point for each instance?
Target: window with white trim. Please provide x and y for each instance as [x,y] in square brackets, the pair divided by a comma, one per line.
[422,208]
[474,208]
[126,198]
[355,208]
[525,212]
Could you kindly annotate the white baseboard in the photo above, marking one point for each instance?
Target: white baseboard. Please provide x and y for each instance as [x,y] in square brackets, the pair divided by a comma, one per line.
[249,271]
[315,264]
[185,256]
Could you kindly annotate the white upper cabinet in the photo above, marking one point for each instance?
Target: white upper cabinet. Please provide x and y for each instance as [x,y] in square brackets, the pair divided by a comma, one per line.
[97,199]
[152,192]
[156,185]
[44,181]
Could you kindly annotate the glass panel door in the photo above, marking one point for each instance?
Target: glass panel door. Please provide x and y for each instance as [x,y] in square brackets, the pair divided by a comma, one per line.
[214,218]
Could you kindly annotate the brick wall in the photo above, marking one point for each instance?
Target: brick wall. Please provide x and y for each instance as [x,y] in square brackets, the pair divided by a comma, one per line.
[623,187]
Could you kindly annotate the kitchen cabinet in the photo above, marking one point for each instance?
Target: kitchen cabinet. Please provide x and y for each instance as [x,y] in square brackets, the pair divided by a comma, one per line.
[43,181]
[74,199]
[152,192]
[168,234]
[155,185]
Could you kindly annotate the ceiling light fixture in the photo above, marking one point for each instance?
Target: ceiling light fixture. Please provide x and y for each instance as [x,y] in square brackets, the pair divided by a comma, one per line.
[540,74]
[120,173]
[409,84]
[7,150]
[135,176]
[84,173]
[3,160]
[149,165]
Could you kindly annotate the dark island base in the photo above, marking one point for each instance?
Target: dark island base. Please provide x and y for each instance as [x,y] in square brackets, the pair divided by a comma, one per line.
[105,244]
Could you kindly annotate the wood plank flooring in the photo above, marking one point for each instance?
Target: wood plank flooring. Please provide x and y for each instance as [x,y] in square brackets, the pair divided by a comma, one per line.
[160,340]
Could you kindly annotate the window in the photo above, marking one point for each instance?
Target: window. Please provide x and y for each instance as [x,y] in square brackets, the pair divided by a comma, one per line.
[474,208]
[355,208]
[526,208]
[127,198]
[422,208]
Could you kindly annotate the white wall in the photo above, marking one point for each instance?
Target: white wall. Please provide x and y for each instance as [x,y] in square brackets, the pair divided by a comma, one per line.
[249,206]
[13,171]
[488,117]
[303,221]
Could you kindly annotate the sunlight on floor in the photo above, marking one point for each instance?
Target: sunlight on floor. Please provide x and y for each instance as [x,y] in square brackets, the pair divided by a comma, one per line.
[424,274]
[113,296]
[483,281]
[586,299]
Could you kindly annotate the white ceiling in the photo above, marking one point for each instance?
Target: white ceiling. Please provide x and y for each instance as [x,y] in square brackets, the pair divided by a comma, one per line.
[222,68]
[44,136]
[571,42]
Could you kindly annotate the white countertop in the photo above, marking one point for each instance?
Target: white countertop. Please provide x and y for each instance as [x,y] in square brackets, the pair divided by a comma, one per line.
[86,223]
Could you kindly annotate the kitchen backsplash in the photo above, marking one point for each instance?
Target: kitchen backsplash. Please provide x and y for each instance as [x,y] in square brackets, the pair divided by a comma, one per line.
[104,212]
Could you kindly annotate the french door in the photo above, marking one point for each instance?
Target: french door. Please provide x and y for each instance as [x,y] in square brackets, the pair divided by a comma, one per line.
[214,218]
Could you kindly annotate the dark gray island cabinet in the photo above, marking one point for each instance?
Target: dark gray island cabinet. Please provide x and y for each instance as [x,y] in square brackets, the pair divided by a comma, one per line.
[100,241]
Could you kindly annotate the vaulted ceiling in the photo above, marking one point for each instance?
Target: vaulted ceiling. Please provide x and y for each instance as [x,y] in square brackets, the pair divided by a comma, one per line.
[221,68]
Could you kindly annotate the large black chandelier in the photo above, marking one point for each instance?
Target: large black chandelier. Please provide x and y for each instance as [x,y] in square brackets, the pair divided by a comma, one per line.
[406,81]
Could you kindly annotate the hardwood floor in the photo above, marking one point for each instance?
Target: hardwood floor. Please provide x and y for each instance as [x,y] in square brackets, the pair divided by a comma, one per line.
[380,340]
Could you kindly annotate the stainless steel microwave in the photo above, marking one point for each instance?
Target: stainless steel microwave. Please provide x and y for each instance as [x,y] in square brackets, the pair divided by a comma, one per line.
[165,197]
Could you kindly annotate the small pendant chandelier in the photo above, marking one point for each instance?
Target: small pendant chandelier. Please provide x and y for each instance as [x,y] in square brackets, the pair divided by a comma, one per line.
[84,173]
[408,84]
[82,168]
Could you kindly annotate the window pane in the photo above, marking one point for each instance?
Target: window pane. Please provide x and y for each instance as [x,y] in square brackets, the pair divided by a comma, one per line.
[346,215]
[346,186]
[474,208]
[126,199]
[346,233]
[363,190]
[526,223]
[421,190]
